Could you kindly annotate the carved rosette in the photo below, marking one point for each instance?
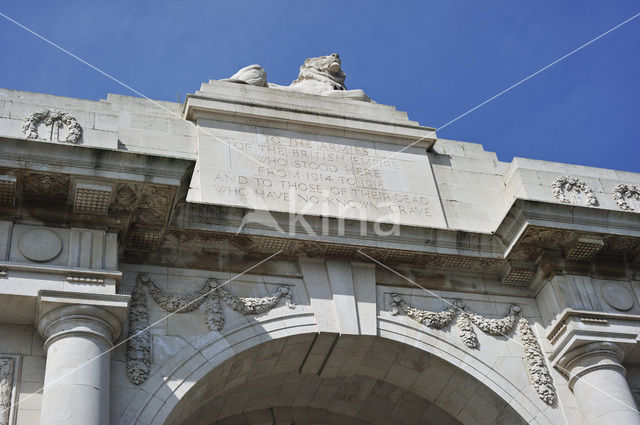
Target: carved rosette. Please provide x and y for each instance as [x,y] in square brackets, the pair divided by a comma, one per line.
[535,363]
[212,295]
[465,321]
[55,120]
[622,192]
[565,183]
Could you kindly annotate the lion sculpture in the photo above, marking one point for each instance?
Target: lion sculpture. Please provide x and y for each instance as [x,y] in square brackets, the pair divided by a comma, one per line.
[322,75]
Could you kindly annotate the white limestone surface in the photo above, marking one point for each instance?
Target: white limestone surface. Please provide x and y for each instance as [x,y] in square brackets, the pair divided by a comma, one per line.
[312,174]
[323,156]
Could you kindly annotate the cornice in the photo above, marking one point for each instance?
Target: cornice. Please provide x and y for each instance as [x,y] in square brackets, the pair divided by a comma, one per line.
[529,231]
[586,316]
[110,307]
[277,109]
[25,154]
[60,270]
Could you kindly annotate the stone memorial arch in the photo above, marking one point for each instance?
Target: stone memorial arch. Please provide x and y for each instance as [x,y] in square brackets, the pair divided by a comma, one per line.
[266,254]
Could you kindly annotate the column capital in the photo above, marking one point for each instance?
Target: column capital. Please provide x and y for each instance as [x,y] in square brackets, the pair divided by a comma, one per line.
[590,357]
[91,315]
[88,320]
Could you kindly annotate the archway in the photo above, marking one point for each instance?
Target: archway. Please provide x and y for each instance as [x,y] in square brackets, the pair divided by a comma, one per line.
[332,379]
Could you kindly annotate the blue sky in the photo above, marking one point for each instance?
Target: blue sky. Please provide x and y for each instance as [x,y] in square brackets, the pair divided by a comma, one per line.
[433,59]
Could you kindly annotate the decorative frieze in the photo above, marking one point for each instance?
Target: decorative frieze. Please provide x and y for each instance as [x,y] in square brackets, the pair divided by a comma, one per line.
[466,321]
[565,183]
[212,294]
[622,192]
[54,120]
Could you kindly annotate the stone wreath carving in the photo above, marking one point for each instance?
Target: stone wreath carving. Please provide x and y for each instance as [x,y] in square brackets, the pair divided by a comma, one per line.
[622,192]
[55,120]
[466,323]
[212,295]
[565,183]
[7,366]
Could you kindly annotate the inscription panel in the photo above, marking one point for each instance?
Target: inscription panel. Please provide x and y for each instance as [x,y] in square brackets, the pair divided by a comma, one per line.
[274,170]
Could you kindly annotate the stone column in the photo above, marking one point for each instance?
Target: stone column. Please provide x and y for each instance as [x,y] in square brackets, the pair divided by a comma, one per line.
[77,337]
[597,379]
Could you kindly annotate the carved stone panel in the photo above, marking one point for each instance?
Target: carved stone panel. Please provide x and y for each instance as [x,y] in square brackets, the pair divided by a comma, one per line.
[213,295]
[47,186]
[9,378]
[317,175]
[617,295]
[40,245]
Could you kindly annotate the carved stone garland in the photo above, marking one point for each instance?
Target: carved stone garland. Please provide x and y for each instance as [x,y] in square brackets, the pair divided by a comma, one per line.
[139,342]
[565,183]
[243,305]
[536,365]
[212,295]
[53,119]
[533,358]
[7,366]
[436,320]
[466,331]
[624,191]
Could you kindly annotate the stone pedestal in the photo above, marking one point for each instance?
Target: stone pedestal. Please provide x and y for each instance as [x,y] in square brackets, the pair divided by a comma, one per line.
[597,379]
[76,384]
